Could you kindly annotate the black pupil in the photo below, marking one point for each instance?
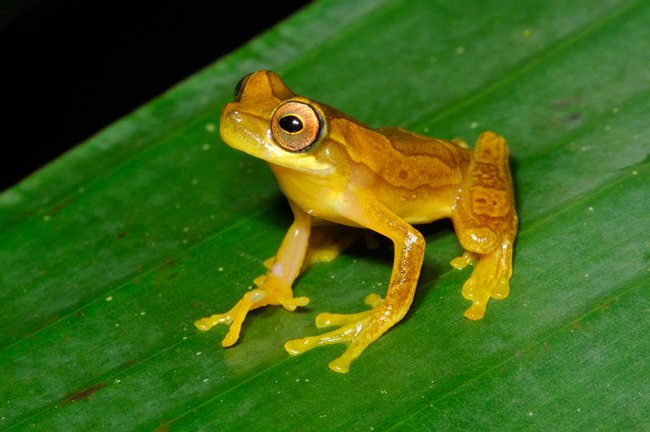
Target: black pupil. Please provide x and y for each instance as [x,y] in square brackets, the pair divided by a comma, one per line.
[291,124]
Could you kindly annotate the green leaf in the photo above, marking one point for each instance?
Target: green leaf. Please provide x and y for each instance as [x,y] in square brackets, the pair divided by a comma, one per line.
[109,254]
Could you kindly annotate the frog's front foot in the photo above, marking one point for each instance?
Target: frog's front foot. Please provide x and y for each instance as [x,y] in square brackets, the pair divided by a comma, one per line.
[490,279]
[267,293]
[357,329]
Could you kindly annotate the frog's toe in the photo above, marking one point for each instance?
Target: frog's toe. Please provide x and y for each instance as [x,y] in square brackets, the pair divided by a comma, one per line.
[373,300]
[345,334]
[228,318]
[340,365]
[207,323]
[302,345]
[464,260]
[485,283]
[327,319]
[232,336]
[259,281]
[476,311]
[291,303]
[234,318]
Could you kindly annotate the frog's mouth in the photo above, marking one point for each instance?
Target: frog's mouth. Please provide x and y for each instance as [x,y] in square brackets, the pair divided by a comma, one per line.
[250,133]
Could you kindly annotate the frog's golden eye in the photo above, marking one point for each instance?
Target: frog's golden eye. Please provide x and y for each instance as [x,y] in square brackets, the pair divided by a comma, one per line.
[295,126]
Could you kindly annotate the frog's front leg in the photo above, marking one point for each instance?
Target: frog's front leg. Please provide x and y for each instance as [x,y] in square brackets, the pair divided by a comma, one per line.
[361,329]
[485,220]
[274,288]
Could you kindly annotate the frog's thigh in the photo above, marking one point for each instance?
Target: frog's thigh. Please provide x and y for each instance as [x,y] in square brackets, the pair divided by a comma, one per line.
[327,242]
[485,222]
[486,203]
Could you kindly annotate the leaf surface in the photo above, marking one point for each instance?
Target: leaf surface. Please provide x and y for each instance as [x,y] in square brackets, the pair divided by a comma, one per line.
[109,254]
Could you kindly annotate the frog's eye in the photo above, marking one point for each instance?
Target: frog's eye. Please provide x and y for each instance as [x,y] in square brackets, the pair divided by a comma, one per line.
[295,126]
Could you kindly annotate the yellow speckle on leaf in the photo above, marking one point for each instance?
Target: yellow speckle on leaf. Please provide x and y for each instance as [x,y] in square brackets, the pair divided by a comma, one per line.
[210,127]
[460,50]
[109,298]
[527,33]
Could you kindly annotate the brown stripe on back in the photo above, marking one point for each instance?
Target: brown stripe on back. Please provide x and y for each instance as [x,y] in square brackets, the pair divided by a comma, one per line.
[404,159]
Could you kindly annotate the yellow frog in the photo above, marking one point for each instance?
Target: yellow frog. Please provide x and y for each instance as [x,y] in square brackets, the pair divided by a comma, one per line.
[335,170]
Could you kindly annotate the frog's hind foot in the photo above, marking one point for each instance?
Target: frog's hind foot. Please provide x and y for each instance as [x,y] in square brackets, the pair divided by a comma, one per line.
[489,280]
[351,326]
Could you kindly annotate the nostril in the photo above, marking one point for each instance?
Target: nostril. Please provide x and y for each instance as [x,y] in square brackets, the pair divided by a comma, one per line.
[236,116]
[230,113]
[239,88]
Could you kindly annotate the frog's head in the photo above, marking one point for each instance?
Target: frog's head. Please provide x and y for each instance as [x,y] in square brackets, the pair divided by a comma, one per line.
[269,121]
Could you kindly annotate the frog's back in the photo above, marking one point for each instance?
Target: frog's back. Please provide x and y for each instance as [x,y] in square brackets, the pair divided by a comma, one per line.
[411,143]
[411,161]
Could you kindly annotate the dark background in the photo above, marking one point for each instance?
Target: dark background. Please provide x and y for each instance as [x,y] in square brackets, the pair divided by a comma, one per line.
[69,68]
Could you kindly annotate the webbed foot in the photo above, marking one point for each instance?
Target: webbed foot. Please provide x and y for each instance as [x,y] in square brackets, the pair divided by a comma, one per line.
[356,329]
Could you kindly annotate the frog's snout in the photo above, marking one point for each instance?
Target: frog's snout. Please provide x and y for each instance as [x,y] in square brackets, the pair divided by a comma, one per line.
[239,130]
[231,117]
[229,113]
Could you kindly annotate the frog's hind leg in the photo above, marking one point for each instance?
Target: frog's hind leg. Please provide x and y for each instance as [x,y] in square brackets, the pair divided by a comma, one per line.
[485,220]
[327,242]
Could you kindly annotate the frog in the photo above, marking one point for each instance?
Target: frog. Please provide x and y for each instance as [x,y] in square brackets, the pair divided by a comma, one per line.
[336,171]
